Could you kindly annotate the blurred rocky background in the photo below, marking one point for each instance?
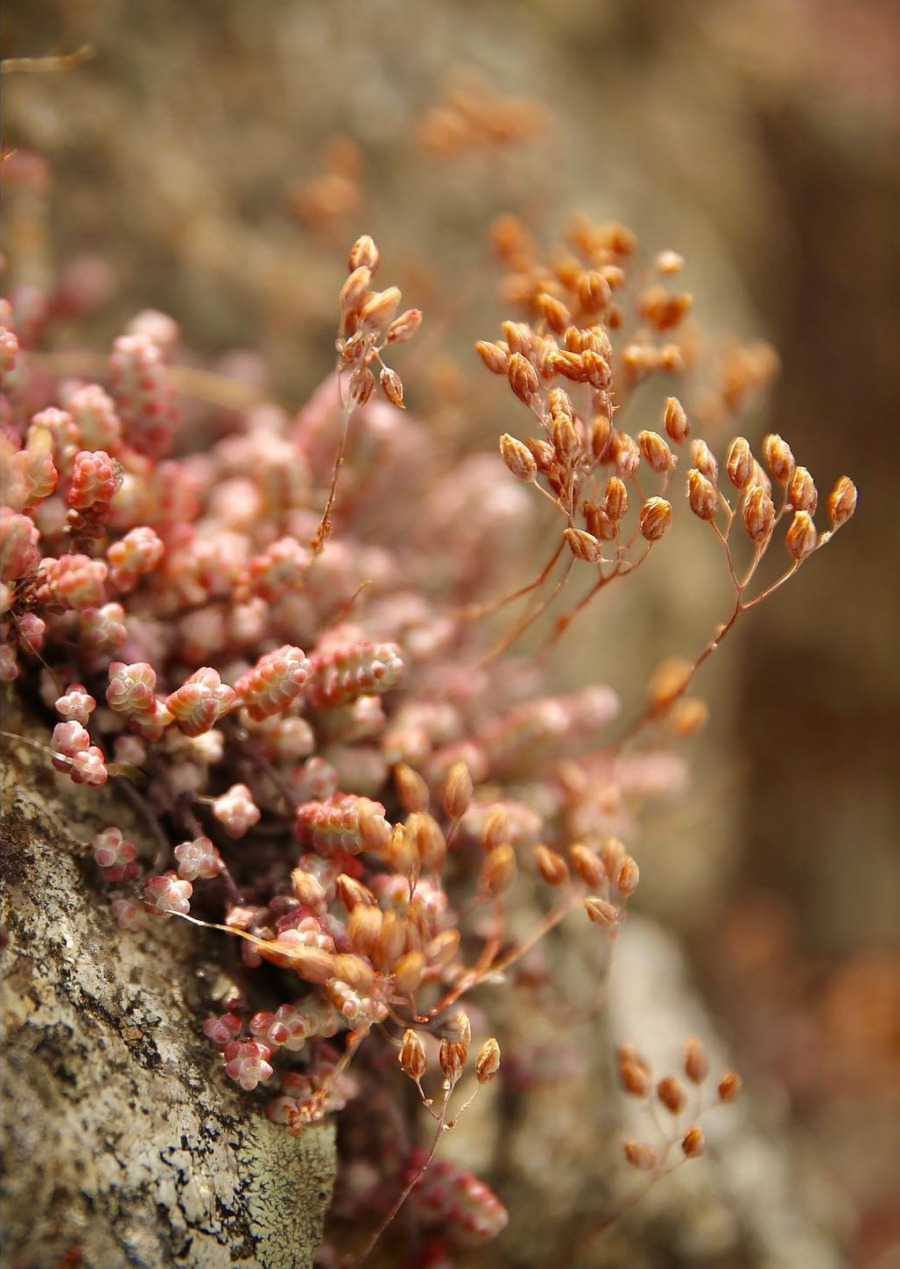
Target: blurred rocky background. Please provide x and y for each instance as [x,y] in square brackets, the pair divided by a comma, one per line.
[214,159]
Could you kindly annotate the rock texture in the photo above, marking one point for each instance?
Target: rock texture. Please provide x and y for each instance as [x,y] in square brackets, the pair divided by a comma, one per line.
[122,1141]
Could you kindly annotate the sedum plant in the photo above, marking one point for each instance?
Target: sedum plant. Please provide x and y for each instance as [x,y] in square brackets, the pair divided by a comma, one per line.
[294,642]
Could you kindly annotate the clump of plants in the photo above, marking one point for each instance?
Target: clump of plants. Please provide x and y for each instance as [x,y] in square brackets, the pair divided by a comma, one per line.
[293,640]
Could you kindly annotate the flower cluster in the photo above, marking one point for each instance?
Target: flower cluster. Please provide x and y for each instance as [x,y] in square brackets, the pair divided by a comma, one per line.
[354,776]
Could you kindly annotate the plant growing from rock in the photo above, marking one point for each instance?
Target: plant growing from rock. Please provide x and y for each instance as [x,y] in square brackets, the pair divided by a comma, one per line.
[296,648]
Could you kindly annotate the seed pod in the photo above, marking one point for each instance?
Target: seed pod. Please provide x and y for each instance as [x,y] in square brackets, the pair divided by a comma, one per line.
[640,1155]
[363,928]
[355,971]
[597,369]
[600,911]
[729,1086]
[628,877]
[628,455]
[702,495]
[499,870]
[362,385]
[392,387]
[487,1064]
[355,288]
[308,889]
[802,492]
[554,312]
[353,893]
[452,1058]
[551,866]
[758,513]
[675,420]
[363,254]
[443,947]
[408,972]
[634,1078]
[696,1063]
[404,327]
[411,788]
[655,518]
[518,458]
[593,291]
[801,536]
[520,337]
[842,501]
[523,378]
[655,451]
[739,463]
[587,865]
[672,1094]
[457,791]
[494,357]
[428,839]
[694,1142]
[601,435]
[704,460]
[612,855]
[413,1061]
[779,458]
[616,499]
[380,307]
[584,546]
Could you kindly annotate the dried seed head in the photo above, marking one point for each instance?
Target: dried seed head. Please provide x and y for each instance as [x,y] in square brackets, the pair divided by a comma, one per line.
[696,1063]
[694,1142]
[487,1064]
[703,496]
[779,458]
[411,788]
[801,536]
[551,866]
[392,387]
[675,420]
[403,328]
[802,492]
[600,911]
[412,1055]
[758,513]
[739,463]
[616,499]
[584,546]
[363,254]
[494,357]
[628,877]
[842,501]
[499,870]
[655,518]
[457,791]
[671,1093]
[704,460]
[523,378]
[729,1086]
[588,866]
[518,458]
[641,1155]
